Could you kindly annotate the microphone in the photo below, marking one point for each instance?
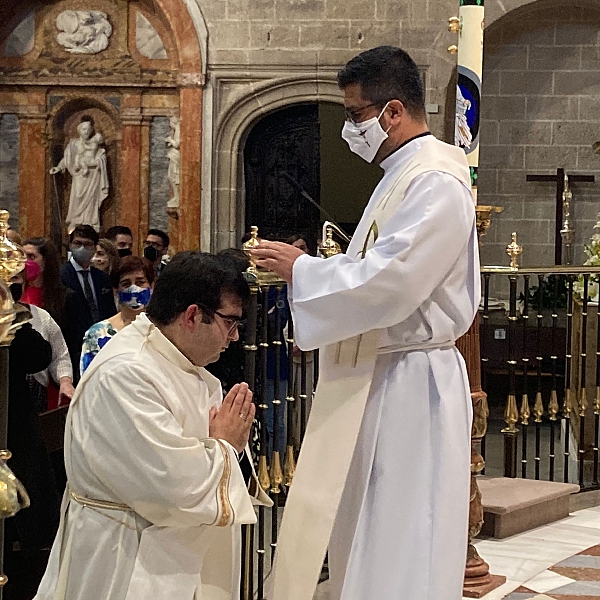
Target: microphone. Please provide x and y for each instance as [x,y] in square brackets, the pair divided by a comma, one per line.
[306,196]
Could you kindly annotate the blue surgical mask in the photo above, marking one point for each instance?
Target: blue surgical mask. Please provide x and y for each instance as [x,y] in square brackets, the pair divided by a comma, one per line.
[135,297]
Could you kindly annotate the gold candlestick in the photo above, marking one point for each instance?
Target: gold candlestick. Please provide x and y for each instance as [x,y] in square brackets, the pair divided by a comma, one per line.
[514,250]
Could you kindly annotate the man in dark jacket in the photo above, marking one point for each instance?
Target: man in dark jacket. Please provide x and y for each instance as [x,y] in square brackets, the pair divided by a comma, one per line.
[92,299]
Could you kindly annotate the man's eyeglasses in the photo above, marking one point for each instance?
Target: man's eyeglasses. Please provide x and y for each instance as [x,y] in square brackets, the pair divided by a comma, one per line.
[81,244]
[231,322]
[354,114]
[156,245]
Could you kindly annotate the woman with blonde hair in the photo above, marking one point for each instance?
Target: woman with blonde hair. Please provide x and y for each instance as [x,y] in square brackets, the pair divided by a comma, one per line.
[106,258]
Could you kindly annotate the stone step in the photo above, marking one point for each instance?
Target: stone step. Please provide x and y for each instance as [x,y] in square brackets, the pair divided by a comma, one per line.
[512,506]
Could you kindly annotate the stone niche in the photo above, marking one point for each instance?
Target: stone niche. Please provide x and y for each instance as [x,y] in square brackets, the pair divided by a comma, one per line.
[122,64]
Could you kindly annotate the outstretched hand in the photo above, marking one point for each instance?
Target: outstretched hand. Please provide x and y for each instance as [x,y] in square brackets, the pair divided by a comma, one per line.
[277,257]
[233,421]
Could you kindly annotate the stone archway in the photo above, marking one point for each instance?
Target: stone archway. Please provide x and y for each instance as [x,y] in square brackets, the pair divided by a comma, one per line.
[232,129]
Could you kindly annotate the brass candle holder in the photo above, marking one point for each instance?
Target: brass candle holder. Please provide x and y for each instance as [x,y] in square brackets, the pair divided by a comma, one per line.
[484,218]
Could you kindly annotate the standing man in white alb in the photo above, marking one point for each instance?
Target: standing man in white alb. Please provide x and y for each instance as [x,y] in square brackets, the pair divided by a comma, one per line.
[383,475]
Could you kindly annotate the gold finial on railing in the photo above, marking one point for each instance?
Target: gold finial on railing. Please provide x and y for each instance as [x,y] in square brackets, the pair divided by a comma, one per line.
[583,401]
[567,404]
[263,473]
[511,414]
[525,412]
[553,407]
[290,466]
[538,408]
[276,474]
[514,250]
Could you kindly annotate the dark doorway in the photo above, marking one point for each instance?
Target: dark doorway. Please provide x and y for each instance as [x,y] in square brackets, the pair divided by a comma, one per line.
[285,142]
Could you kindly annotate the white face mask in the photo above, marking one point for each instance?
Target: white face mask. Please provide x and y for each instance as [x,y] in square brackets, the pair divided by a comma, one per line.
[365,138]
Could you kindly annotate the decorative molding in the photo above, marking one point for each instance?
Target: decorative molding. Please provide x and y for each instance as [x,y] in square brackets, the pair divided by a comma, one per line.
[191,79]
[83,31]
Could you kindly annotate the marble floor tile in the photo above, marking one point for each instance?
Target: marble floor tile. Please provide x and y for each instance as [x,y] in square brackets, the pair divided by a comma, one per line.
[579,588]
[582,561]
[547,581]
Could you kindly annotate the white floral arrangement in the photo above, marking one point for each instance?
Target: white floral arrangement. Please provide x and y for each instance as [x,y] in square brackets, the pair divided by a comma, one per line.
[592,251]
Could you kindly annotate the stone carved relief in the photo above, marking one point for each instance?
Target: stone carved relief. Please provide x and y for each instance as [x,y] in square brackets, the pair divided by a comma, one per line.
[21,41]
[173,173]
[83,31]
[148,42]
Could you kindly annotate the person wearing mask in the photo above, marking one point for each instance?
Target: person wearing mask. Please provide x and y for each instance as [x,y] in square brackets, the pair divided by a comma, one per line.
[106,258]
[122,238]
[59,373]
[29,533]
[92,299]
[134,280]
[43,286]
[155,248]
[391,499]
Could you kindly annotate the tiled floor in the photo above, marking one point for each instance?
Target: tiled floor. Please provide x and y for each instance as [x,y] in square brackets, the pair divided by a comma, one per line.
[556,562]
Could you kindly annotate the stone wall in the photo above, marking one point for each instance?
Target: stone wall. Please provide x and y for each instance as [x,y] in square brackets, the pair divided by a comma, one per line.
[540,111]
[306,35]
[9,166]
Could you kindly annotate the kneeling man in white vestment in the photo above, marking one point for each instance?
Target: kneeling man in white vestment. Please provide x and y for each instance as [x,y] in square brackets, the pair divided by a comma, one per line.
[383,474]
[159,478]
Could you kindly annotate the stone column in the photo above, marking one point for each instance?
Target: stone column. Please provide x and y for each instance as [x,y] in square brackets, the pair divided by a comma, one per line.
[189,217]
[131,161]
[34,180]
[143,224]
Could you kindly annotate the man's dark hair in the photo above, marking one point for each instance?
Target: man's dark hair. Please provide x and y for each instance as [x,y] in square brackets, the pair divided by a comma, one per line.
[162,235]
[236,257]
[112,232]
[84,231]
[386,73]
[195,278]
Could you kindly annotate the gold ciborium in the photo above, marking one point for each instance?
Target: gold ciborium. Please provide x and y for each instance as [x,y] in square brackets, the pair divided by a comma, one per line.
[255,275]
[329,247]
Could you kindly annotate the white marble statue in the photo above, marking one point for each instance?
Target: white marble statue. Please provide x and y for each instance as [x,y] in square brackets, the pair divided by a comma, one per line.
[173,173]
[462,132]
[83,31]
[85,159]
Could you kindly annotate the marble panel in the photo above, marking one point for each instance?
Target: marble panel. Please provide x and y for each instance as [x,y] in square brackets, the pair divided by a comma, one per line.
[9,166]
[159,166]
[147,39]
[20,42]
